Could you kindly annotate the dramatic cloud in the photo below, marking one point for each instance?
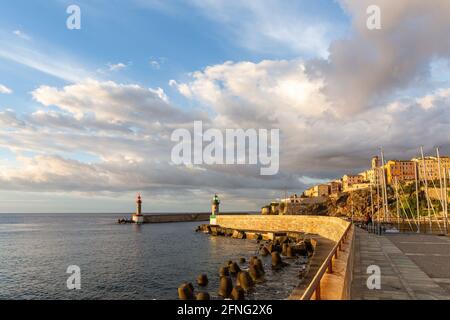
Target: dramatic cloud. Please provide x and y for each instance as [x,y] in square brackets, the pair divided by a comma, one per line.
[370,65]
[316,139]
[125,129]
[256,94]
[314,145]
[334,112]
[114,103]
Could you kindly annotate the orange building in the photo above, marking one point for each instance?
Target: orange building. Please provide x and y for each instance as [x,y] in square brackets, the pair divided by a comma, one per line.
[335,187]
[321,190]
[350,180]
[428,168]
[400,170]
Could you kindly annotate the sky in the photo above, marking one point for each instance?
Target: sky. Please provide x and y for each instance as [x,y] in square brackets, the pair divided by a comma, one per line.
[86,115]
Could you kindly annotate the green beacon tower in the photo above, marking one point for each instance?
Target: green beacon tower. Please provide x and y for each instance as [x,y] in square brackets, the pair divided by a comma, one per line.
[214,210]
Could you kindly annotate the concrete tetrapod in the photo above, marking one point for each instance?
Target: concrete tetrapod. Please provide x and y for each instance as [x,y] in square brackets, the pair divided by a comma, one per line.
[277,263]
[234,268]
[202,280]
[226,286]
[223,271]
[238,293]
[203,296]
[245,281]
[186,292]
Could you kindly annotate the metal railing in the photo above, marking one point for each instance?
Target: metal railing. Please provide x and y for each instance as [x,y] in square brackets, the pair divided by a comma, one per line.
[434,226]
[327,266]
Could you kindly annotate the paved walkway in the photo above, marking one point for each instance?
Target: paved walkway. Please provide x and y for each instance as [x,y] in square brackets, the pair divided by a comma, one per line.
[401,278]
[430,253]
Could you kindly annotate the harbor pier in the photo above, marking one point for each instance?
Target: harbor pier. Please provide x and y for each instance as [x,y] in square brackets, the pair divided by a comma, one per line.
[412,266]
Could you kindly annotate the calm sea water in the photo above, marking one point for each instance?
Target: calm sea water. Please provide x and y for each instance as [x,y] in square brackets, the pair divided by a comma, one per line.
[117,261]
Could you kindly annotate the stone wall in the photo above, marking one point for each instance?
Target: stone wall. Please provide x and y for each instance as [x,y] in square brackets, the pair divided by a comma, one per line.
[163,218]
[329,227]
[334,286]
[182,217]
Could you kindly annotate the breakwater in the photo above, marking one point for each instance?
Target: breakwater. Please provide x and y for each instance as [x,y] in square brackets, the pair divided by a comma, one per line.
[278,259]
[327,231]
[328,227]
[183,217]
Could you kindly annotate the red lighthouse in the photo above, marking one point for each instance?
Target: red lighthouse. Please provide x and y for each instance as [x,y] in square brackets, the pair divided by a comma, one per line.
[138,204]
[138,217]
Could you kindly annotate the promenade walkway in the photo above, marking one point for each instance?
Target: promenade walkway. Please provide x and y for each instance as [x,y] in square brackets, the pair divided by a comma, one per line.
[401,277]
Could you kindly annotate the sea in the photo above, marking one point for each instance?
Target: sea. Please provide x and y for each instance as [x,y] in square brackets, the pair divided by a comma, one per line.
[120,261]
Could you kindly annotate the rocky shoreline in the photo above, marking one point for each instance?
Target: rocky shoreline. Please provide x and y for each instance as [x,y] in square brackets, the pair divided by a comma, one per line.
[275,253]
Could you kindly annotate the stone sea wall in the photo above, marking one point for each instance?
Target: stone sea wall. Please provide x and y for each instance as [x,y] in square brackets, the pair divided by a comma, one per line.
[183,217]
[329,227]
[328,231]
[186,217]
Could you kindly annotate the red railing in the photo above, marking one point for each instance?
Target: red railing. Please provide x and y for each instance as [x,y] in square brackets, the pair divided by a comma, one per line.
[327,266]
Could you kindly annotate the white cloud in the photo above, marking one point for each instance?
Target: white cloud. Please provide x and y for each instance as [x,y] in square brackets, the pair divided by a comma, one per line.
[429,100]
[330,124]
[155,64]
[318,135]
[122,126]
[116,66]
[111,102]
[263,94]
[271,26]
[22,34]
[43,57]
[8,118]
[126,127]
[5,90]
